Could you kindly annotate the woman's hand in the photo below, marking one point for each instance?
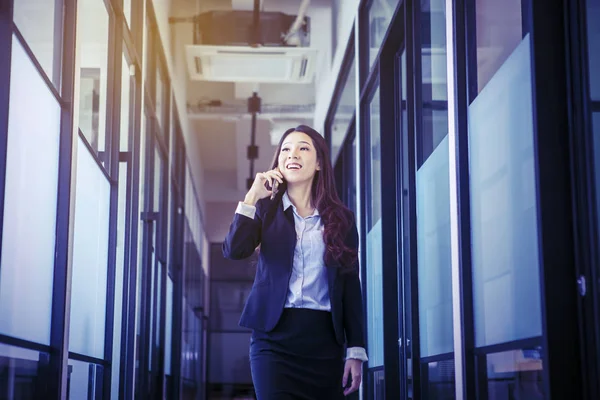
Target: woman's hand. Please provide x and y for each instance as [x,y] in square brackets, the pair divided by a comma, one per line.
[353,369]
[259,190]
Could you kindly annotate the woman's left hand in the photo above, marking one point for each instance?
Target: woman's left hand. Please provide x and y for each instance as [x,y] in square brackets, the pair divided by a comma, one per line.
[353,370]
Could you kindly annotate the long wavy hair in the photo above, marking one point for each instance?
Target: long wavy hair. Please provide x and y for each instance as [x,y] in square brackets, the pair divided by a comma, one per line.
[336,217]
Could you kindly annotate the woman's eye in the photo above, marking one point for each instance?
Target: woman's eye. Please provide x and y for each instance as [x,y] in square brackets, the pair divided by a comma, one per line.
[304,148]
[286,149]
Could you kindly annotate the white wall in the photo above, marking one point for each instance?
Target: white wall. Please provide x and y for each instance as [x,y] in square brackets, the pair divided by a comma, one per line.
[219,216]
[346,13]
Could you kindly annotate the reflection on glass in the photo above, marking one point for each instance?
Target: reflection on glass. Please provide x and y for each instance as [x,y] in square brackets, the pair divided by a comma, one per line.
[23,373]
[380,16]
[434,93]
[506,281]
[374,252]
[90,257]
[499,31]
[125,105]
[593,29]
[439,381]
[36,21]
[343,113]
[85,380]
[515,374]
[93,24]
[29,229]
[378,385]
[433,190]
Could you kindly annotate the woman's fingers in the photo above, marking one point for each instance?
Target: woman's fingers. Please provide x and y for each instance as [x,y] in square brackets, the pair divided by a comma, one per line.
[352,369]
[274,175]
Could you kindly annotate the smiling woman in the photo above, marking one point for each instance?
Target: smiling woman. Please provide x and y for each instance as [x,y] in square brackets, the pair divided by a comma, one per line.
[307,275]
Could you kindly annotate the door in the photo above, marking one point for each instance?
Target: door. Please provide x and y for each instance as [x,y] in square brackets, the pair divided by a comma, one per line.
[584,32]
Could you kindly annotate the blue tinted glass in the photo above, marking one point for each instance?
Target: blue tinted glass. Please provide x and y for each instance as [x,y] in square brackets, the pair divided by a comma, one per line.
[36,21]
[593,26]
[28,239]
[85,380]
[90,257]
[506,282]
[433,253]
[373,267]
[23,373]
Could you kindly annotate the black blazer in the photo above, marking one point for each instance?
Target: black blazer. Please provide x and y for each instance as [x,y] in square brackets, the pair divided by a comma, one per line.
[274,230]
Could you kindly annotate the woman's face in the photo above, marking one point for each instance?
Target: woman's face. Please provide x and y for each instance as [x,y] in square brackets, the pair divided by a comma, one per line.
[298,158]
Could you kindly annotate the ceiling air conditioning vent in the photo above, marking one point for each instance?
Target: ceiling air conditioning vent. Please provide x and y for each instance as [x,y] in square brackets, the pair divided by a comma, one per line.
[250,64]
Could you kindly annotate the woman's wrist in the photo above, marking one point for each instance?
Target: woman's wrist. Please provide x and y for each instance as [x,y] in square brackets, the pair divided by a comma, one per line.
[250,199]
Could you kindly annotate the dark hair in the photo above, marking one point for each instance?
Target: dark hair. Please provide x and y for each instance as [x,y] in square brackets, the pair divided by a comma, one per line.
[336,217]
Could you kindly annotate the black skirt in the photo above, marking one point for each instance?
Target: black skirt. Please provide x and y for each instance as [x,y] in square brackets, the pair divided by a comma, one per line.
[299,359]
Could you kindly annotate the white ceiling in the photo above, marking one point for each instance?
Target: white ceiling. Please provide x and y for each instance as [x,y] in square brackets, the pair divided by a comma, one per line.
[224,136]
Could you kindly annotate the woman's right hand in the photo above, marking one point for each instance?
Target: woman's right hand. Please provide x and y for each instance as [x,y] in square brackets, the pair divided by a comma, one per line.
[259,190]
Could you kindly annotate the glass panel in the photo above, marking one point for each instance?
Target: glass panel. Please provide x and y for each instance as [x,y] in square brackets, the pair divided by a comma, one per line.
[23,373]
[374,256]
[26,276]
[169,327]
[158,163]
[404,245]
[39,21]
[380,16]
[90,257]
[93,24]
[433,86]
[378,385]
[515,374]
[506,282]
[160,100]
[125,105]
[229,361]
[433,191]
[343,112]
[499,31]
[352,177]
[85,380]
[433,252]
[439,383]
[127,11]
[140,244]
[593,28]
[119,274]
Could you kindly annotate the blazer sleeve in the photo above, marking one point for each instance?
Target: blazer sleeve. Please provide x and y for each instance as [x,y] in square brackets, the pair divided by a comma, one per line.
[352,300]
[244,236]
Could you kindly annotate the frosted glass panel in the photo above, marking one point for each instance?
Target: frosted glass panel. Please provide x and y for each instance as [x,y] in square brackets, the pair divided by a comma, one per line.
[433,252]
[119,273]
[593,16]
[93,28]
[85,380]
[169,327]
[35,20]
[374,296]
[90,257]
[28,238]
[503,206]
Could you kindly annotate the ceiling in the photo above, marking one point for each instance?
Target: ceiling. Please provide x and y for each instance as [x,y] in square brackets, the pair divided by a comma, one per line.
[223,131]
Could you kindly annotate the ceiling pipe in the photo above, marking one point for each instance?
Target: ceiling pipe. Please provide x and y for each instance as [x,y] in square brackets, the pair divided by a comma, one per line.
[298,22]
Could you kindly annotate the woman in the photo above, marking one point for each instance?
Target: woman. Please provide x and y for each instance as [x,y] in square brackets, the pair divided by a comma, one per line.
[305,304]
